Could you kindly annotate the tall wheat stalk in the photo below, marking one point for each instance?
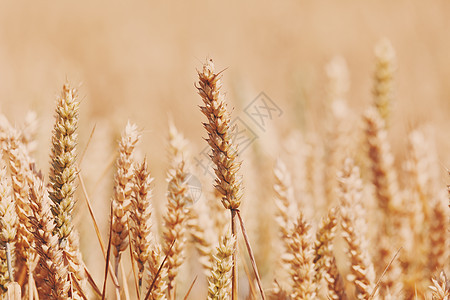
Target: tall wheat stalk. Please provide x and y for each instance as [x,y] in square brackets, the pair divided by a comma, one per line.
[224,151]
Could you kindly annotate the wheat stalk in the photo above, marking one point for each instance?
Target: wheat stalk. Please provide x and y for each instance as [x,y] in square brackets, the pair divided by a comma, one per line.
[224,152]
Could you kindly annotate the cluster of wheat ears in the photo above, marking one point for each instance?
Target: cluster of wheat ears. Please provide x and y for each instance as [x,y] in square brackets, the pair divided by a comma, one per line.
[403,256]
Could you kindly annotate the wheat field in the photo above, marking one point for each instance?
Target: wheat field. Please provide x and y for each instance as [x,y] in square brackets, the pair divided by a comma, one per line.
[145,156]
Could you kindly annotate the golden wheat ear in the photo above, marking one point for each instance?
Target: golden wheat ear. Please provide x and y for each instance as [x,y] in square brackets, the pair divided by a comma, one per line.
[21,171]
[63,158]
[123,182]
[302,262]
[220,278]
[63,173]
[178,197]
[353,230]
[324,260]
[141,235]
[383,86]
[387,194]
[8,229]
[51,271]
[441,287]
[224,151]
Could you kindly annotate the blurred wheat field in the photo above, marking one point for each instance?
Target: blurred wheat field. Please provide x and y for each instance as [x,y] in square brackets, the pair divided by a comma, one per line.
[342,187]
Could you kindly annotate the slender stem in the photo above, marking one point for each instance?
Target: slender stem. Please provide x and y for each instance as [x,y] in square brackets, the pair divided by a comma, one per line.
[116,272]
[97,230]
[234,278]
[252,257]
[8,261]
[30,280]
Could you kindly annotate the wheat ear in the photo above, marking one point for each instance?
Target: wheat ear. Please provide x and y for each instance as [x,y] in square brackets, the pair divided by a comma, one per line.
[52,273]
[200,226]
[122,192]
[336,126]
[63,157]
[224,152]
[439,239]
[175,224]
[142,237]
[284,200]
[385,66]
[63,174]
[29,131]
[335,283]
[302,265]
[350,193]
[384,179]
[220,278]
[178,197]
[441,287]
[8,223]
[158,280]
[20,169]
[325,264]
